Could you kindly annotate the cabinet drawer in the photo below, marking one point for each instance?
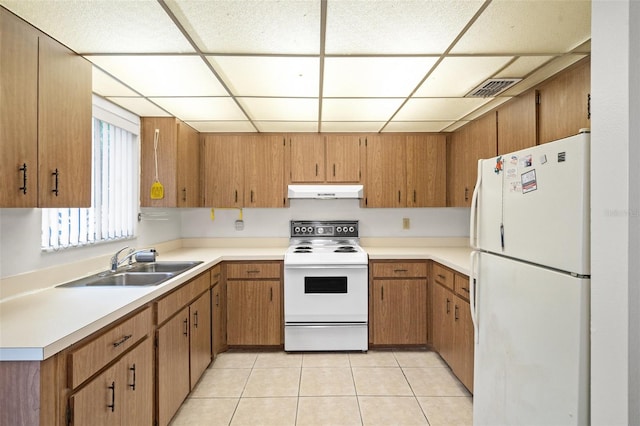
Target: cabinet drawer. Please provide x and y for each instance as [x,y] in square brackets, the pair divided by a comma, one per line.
[442,275]
[399,269]
[461,284]
[88,359]
[253,270]
[215,274]
[172,303]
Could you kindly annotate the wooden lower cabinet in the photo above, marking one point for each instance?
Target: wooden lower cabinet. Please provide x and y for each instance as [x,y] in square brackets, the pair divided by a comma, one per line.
[398,303]
[173,365]
[200,338]
[121,395]
[452,333]
[219,317]
[254,313]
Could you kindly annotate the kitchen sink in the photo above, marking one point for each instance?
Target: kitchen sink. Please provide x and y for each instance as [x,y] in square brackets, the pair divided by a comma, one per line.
[138,275]
[173,267]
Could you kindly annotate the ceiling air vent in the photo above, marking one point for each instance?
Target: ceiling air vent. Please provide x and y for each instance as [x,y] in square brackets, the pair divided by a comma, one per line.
[492,87]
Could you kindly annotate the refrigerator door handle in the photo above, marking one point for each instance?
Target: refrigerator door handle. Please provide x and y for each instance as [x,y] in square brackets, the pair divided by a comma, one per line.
[473,232]
[473,306]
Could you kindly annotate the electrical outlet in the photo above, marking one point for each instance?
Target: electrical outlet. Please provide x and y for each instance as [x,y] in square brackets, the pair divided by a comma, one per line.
[239,225]
[406,223]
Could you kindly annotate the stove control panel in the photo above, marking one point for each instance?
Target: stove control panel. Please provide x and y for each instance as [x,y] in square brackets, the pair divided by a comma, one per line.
[316,228]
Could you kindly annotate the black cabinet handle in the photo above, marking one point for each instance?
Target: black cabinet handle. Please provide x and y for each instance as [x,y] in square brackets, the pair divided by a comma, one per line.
[316,170]
[466,194]
[23,169]
[455,315]
[218,299]
[195,319]
[186,326]
[382,292]
[252,195]
[133,370]
[121,341]
[448,303]
[57,175]
[400,270]
[236,196]
[334,170]
[184,194]
[113,397]
[414,195]
[398,196]
[270,294]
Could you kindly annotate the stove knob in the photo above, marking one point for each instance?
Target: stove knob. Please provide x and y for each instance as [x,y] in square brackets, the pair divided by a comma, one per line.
[296,229]
[339,229]
[352,228]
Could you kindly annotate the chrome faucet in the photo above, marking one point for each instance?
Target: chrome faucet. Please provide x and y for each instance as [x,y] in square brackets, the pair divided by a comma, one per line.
[115,263]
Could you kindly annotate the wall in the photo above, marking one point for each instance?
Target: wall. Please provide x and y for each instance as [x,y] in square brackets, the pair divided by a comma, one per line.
[425,222]
[615,213]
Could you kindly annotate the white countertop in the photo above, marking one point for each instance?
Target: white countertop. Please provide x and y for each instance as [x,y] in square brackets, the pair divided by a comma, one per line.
[37,325]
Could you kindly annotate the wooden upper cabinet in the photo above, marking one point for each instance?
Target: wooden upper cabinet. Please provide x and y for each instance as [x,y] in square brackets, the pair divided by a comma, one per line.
[18,113]
[307,158]
[325,159]
[264,171]
[386,177]
[343,158]
[426,159]
[406,170]
[223,171]
[477,140]
[178,155]
[243,171]
[64,127]
[564,103]
[45,120]
[517,124]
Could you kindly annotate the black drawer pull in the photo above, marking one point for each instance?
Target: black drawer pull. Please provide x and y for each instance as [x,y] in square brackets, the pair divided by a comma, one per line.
[23,169]
[400,270]
[121,341]
[133,369]
[113,397]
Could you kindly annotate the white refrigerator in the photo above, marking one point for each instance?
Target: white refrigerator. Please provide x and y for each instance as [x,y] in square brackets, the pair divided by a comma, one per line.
[530,286]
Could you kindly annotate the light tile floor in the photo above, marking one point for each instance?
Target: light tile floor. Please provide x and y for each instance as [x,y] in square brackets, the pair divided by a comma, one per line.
[375,388]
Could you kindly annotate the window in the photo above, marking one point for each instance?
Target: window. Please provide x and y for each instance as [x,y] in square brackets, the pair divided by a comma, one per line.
[114,180]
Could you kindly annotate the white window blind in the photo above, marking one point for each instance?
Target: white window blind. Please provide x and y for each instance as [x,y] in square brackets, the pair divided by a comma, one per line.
[113,211]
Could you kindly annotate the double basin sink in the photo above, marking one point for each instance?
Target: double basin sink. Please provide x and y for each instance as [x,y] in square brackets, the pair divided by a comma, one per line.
[136,275]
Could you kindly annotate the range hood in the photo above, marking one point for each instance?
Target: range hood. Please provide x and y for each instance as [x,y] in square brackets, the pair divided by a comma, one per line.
[325,192]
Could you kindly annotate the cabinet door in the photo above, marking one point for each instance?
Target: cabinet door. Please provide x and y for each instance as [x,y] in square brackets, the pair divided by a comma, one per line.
[399,313]
[307,158]
[18,112]
[138,389]
[219,317]
[457,193]
[517,124]
[64,127]
[564,103]
[188,167]
[100,401]
[439,317]
[385,185]
[264,171]
[343,159]
[254,313]
[223,171]
[200,312]
[426,170]
[167,151]
[173,365]
[463,343]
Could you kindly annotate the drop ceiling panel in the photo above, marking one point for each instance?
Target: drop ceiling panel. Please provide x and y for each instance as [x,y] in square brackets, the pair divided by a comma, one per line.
[417,126]
[452,77]
[105,85]
[549,69]
[438,109]
[523,66]
[359,109]
[222,126]
[277,76]
[281,109]
[104,26]
[252,26]
[508,26]
[203,109]
[352,126]
[139,106]
[374,76]
[395,27]
[287,126]
[491,104]
[162,75]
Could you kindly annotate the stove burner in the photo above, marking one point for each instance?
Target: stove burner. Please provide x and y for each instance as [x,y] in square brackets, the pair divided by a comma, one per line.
[345,249]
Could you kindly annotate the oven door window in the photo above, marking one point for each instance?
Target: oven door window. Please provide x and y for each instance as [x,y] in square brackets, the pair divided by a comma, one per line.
[325,285]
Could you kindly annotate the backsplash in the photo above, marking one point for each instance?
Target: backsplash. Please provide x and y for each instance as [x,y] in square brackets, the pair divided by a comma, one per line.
[20,228]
